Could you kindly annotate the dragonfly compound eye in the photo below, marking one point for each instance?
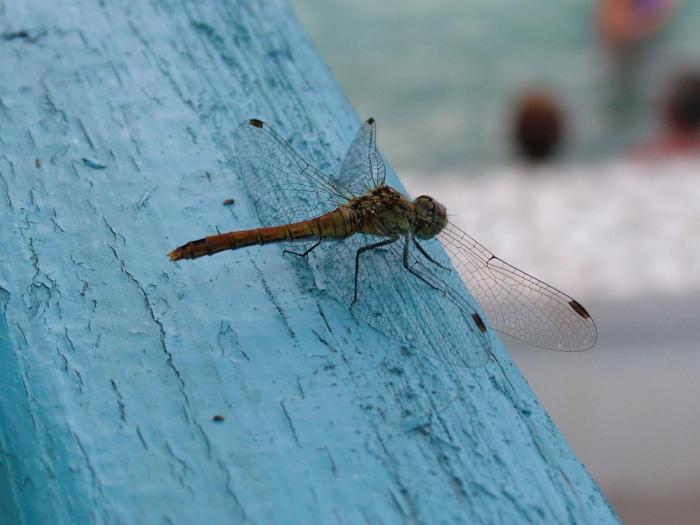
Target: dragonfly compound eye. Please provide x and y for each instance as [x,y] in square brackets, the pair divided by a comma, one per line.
[430,219]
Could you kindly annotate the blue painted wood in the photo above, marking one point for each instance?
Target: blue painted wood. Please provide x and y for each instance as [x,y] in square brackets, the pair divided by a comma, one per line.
[115,125]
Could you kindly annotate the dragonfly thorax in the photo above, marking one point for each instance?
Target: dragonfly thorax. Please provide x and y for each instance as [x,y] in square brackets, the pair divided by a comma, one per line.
[384,211]
[430,217]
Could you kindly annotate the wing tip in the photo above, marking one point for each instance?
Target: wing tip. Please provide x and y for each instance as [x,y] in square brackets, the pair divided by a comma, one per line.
[257,123]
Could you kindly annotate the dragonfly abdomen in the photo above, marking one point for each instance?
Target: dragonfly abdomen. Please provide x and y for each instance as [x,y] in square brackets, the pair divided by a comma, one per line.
[338,224]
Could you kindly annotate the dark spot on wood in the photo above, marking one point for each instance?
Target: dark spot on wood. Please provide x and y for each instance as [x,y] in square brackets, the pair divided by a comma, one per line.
[11,35]
[218,418]
[228,202]
[580,310]
[28,36]
[37,163]
[255,122]
[479,323]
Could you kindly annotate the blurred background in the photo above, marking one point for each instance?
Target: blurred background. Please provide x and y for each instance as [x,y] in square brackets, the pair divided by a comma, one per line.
[566,138]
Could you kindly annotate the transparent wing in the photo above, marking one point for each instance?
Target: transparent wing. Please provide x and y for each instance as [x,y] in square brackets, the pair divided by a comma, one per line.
[418,311]
[283,186]
[363,167]
[516,303]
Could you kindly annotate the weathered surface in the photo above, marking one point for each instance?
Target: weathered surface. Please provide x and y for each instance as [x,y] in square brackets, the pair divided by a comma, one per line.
[114,148]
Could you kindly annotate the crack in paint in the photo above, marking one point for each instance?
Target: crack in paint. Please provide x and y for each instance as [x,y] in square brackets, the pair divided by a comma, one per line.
[183,471]
[273,300]
[5,190]
[93,473]
[66,363]
[161,329]
[120,401]
[290,423]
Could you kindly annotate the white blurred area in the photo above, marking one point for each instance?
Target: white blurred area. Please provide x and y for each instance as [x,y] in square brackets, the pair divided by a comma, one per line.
[606,232]
[624,239]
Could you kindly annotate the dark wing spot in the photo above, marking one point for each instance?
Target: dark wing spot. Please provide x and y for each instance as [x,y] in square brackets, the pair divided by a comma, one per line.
[576,306]
[370,121]
[255,122]
[479,323]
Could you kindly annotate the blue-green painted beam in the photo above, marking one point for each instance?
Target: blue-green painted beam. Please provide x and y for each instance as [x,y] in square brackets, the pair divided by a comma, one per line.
[115,146]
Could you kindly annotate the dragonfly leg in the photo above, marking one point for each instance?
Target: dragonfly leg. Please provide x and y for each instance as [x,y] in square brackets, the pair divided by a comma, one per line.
[427,255]
[357,260]
[304,254]
[412,271]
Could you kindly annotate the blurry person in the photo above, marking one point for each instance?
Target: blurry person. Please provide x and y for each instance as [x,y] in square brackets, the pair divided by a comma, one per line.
[624,24]
[538,126]
[680,133]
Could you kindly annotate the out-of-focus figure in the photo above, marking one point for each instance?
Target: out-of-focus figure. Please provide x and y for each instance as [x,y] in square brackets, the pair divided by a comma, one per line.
[538,126]
[627,23]
[680,113]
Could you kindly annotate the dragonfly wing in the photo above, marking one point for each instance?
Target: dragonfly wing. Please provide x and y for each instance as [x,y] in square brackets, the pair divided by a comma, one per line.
[516,303]
[283,186]
[397,303]
[363,167]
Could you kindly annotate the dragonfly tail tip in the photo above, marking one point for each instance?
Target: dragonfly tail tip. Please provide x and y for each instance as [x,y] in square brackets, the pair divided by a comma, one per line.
[175,255]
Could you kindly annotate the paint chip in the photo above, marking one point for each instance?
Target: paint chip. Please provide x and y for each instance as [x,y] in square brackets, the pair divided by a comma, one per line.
[414,423]
[94,163]
[144,198]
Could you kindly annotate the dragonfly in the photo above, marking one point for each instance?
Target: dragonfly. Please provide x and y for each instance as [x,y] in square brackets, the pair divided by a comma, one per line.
[400,264]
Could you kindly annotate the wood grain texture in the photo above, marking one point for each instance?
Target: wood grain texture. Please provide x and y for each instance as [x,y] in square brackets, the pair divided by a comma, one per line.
[115,126]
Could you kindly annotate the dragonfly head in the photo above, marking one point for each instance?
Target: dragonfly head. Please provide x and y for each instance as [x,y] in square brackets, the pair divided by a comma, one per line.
[431,217]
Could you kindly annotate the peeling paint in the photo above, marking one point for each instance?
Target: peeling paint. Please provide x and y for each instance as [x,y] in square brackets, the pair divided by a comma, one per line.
[94,163]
